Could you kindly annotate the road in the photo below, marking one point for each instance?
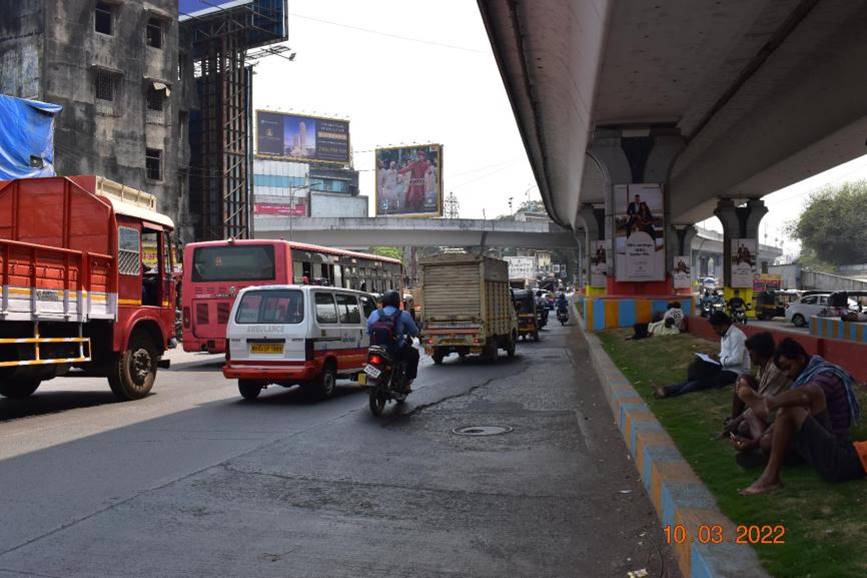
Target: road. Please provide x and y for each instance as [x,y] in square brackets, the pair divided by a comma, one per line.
[194,481]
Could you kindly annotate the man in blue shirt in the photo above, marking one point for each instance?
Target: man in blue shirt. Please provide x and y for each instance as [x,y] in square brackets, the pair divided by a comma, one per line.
[403,330]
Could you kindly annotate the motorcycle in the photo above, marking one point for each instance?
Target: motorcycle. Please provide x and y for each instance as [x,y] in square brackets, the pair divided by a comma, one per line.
[563,316]
[739,314]
[385,379]
[708,306]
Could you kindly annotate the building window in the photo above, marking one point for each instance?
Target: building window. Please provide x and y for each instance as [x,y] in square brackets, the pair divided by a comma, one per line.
[104,85]
[155,99]
[154,33]
[103,18]
[153,164]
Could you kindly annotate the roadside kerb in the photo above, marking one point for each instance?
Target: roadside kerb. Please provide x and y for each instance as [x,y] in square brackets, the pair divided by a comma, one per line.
[675,491]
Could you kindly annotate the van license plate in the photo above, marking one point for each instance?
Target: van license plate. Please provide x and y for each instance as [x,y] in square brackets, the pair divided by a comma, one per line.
[266,348]
[373,371]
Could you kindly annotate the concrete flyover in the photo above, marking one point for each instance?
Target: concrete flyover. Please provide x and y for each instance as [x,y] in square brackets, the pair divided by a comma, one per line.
[734,99]
[402,232]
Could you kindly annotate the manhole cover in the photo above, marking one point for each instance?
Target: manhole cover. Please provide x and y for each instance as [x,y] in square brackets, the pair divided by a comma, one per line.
[481,430]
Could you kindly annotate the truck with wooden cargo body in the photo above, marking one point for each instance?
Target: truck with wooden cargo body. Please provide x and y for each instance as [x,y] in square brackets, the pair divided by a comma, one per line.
[86,276]
[466,307]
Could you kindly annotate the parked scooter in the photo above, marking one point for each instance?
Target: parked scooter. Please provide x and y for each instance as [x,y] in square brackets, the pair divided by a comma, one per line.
[385,379]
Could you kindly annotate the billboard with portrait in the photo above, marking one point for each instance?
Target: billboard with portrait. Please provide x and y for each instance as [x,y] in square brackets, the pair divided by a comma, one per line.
[302,138]
[639,232]
[743,262]
[409,180]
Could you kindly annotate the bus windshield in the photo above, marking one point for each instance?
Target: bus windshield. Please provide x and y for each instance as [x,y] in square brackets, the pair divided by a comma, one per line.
[234,263]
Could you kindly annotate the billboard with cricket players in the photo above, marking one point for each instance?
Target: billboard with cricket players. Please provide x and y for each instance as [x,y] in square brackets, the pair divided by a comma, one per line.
[409,181]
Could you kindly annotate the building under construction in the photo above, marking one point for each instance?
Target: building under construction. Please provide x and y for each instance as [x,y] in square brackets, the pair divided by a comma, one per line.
[156,94]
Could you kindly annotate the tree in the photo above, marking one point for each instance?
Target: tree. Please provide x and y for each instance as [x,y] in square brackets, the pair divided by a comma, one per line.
[833,226]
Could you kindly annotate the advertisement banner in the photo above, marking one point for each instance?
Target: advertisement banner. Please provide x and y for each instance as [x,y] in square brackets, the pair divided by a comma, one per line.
[521,267]
[409,181]
[302,138]
[767,283]
[299,209]
[743,264]
[639,232]
[599,263]
[681,273]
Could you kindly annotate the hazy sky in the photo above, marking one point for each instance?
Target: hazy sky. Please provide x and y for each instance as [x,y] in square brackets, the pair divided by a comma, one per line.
[354,62]
[397,91]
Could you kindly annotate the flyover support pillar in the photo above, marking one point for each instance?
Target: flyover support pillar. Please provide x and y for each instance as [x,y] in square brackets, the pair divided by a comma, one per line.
[636,163]
[594,230]
[740,245]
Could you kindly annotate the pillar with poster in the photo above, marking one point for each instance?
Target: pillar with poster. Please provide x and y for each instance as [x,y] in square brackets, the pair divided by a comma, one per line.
[599,263]
[681,273]
[639,232]
[743,262]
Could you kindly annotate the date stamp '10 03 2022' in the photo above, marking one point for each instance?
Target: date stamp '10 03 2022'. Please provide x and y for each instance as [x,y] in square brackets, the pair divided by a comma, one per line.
[716,534]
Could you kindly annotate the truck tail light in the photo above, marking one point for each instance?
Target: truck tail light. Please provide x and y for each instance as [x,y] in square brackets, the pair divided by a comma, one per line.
[186,317]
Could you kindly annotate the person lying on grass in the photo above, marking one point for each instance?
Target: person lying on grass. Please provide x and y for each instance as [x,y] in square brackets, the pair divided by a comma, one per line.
[814,418]
[723,370]
[746,430]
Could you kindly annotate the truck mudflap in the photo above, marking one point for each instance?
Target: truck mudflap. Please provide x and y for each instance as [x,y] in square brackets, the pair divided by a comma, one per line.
[84,349]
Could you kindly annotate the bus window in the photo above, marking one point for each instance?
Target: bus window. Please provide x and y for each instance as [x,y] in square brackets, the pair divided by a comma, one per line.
[234,263]
[297,272]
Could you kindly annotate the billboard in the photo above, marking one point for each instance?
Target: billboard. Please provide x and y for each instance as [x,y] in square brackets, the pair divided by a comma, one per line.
[639,232]
[297,137]
[409,180]
[268,22]
[297,209]
[743,262]
[521,267]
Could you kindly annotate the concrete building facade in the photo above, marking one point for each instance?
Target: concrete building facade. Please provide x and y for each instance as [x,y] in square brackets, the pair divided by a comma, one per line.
[124,83]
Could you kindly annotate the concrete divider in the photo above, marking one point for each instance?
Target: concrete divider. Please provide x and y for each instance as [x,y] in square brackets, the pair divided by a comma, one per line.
[680,499]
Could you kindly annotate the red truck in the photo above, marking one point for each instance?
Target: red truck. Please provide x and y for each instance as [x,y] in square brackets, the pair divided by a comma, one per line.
[86,272]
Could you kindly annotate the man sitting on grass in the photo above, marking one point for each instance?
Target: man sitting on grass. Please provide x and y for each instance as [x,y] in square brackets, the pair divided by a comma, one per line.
[814,419]
[749,432]
[720,370]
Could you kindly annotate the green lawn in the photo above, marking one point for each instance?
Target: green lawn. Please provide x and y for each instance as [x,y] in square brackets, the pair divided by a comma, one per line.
[826,524]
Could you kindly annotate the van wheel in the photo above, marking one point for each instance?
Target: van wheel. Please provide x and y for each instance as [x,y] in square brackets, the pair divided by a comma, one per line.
[133,372]
[19,389]
[327,382]
[249,389]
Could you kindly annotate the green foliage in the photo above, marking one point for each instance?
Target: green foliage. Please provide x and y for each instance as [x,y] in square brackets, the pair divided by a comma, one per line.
[392,252]
[833,226]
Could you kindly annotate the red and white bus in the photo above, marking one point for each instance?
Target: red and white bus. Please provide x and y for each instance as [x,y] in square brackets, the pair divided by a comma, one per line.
[215,271]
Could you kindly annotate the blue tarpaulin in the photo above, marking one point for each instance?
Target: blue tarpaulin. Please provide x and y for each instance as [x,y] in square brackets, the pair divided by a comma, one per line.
[26,138]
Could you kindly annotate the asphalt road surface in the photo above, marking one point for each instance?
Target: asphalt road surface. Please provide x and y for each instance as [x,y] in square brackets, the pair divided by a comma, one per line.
[194,481]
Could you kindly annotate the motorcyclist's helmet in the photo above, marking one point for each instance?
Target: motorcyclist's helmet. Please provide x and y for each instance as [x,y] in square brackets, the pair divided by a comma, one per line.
[391,298]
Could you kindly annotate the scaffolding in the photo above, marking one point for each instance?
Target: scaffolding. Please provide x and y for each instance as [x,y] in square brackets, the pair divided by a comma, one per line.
[221,132]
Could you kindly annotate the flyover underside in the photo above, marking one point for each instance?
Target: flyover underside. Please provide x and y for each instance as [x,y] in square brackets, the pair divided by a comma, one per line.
[418,233]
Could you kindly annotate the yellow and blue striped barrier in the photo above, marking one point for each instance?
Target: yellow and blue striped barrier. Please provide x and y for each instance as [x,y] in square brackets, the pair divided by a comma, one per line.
[836,328]
[599,313]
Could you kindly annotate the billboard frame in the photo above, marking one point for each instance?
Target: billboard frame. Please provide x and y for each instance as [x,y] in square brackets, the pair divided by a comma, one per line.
[299,159]
[429,215]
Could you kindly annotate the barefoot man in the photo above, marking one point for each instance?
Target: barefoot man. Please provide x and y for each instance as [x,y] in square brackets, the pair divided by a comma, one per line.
[813,419]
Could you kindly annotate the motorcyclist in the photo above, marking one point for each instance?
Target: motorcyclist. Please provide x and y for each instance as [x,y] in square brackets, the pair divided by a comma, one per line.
[404,329]
[562,304]
[736,303]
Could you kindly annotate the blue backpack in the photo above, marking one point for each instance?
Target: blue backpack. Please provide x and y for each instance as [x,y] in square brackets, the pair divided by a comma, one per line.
[383,332]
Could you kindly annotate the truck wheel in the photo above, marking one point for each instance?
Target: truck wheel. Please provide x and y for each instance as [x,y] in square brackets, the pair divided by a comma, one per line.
[438,356]
[19,389]
[134,371]
[510,347]
[535,336]
[249,389]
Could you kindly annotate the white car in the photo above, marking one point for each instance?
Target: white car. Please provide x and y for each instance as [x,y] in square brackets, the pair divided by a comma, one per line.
[799,312]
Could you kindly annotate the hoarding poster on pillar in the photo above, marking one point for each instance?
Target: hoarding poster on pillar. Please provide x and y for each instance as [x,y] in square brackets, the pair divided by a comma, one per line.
[639,232]
[743,262]
[680,273]
[599,264]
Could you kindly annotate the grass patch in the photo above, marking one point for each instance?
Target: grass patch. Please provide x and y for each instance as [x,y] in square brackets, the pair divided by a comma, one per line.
[826,524]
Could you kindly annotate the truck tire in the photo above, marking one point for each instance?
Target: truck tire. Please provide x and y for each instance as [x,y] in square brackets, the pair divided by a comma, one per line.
[510,346]
[535,336]
[438,356]
[249,389]
[133,371]
[19,389]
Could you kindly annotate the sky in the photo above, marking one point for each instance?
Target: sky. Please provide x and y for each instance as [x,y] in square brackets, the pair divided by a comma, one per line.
[407,72]
[443,88]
